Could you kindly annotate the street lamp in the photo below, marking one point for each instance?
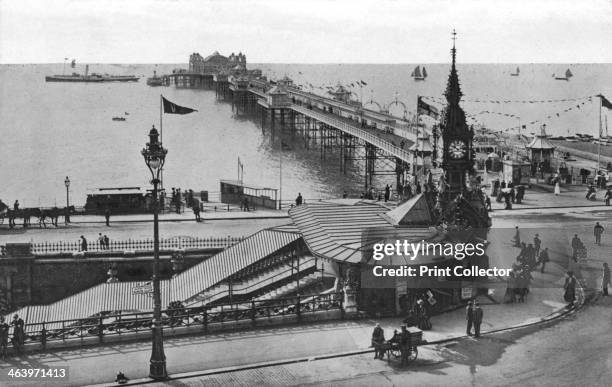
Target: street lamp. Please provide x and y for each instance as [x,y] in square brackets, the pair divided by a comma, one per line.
[67,212]
[155,156]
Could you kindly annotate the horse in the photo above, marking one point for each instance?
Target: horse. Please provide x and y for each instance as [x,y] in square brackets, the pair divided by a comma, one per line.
[3,211]
[42,214]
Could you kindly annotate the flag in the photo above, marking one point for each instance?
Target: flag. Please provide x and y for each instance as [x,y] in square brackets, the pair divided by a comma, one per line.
[363,83]
[172,108]
[425,108]
[605,102]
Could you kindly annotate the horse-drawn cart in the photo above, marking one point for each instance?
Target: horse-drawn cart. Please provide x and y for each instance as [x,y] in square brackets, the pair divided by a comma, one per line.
[393,347]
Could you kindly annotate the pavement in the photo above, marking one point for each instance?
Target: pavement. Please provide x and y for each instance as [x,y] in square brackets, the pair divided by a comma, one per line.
[296,342]
[223,359]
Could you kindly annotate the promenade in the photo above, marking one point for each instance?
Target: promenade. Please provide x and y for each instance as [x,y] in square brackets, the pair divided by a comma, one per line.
[219,351]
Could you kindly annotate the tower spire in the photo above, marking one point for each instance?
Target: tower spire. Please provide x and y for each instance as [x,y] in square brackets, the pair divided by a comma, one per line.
[453,90]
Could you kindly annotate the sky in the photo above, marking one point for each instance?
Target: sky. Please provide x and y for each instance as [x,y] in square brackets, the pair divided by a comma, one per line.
[306,31]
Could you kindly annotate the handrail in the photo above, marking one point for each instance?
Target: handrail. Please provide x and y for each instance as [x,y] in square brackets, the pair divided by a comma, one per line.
[209,298]
[105,324]
[357,132]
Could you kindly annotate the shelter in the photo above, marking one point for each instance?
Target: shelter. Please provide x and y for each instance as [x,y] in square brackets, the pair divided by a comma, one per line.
[542,151]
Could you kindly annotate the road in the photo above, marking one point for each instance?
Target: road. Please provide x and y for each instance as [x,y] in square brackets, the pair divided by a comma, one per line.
[573,351]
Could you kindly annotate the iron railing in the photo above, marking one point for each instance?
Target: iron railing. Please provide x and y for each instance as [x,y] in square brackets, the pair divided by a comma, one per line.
[42,248]
[118,323]
[355,131]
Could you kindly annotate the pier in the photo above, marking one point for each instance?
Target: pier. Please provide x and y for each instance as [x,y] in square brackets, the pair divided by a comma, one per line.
[334,124]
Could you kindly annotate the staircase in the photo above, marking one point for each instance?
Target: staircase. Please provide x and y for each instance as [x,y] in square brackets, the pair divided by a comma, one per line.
[258,283]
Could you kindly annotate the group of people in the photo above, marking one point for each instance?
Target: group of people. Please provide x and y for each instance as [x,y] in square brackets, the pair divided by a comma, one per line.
[473,315]
[402,339]
[507,193]
[103,242]
[18,334]
[530,257]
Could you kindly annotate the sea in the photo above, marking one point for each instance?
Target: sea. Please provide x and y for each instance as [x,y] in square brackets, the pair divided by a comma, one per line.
[52,130]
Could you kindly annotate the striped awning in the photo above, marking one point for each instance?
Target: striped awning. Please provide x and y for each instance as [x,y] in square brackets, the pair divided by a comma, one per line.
[347,232]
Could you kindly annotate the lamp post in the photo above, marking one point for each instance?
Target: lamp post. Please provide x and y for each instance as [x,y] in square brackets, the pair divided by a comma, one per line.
[155,156]
[67,212]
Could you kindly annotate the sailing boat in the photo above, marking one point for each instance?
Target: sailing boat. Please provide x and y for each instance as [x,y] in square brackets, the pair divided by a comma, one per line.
[568,75]
[515,74]
[416,74]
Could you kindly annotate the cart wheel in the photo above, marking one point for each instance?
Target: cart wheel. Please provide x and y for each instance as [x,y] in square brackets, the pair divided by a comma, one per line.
[414,352]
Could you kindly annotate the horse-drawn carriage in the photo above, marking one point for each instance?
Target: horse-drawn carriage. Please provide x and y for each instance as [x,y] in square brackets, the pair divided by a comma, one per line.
[26,214]
[393,348]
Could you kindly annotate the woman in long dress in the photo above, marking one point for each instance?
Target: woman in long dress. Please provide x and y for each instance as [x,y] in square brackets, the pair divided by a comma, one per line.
[557,188]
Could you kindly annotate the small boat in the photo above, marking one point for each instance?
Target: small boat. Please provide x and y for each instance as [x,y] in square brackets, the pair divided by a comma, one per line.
[118,118]
[515,74]
[417,75]
[568,75]
[155,80]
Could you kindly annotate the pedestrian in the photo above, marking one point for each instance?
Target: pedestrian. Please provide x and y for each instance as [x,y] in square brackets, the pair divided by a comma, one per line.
[510,296]
[245,204]
[606,279]
[83,243]
[16,205]
[344,195]
[405,344]
[576,245]
[598,230]
[4,334]
[557,188]
[387,193]
[537,243]
[543,258]
[299,199]
[18,332]
[196,212]
[177,202]
[570,288]
[469,317]
[107,216]
[517,237]
[608,196]
[101,241]
[378,342]
[488,203]
[478,314]
[106,242]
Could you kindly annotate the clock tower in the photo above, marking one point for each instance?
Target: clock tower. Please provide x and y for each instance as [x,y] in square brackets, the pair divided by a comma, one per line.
[457,137]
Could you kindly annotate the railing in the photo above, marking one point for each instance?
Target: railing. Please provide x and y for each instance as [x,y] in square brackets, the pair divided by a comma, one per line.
[110,324]
[42,248]
[357,132]
[249,286]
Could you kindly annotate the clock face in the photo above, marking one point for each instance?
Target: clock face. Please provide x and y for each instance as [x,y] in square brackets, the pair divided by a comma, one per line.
[457,149]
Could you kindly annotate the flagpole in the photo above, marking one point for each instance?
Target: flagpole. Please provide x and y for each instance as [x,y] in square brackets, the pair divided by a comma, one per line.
[416,149]
[161,136]
[599,139]
[280,174]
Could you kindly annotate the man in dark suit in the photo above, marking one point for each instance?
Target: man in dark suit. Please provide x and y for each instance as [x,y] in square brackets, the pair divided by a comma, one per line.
[469,316]
[478,314]
[378,341]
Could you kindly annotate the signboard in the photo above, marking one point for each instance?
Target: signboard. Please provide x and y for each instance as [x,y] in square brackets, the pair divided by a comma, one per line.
[467,292]
[145,288]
